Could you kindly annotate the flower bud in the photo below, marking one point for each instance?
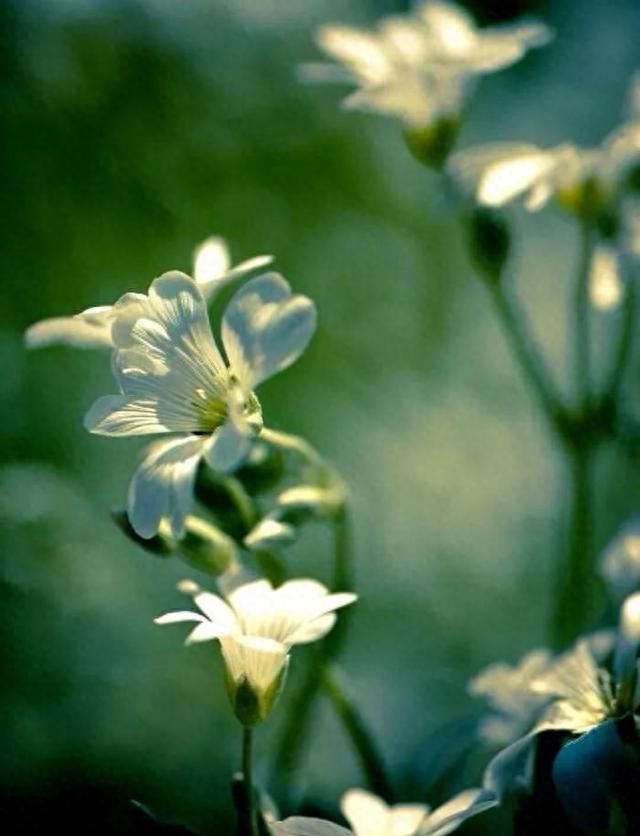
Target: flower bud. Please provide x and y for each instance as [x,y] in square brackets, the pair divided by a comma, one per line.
[488,240]
[432,143]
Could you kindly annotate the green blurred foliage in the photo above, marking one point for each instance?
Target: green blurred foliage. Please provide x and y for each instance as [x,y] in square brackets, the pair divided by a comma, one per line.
[132,130]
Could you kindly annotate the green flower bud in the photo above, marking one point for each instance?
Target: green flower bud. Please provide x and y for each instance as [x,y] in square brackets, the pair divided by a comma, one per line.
[432,143]
[488,240]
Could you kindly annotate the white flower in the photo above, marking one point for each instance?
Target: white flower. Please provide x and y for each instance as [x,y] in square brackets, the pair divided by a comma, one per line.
[212,270]
[578,178]
[507,689]
[417,67]
[257,626]
[369,815]
[174,380]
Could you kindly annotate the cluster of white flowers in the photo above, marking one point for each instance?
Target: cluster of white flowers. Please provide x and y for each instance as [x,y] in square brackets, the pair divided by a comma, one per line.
[176,380]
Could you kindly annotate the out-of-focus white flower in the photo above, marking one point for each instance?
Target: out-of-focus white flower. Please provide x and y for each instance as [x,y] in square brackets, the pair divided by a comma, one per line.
[620,563]
[257,626]
[174,380]
[212,270]
[507,689]
[369,815]
[581,179]
[418,67]
[606,287]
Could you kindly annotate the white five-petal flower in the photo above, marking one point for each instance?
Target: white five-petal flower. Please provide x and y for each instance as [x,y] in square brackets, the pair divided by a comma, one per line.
[258,625]
[417,67]
[174,380]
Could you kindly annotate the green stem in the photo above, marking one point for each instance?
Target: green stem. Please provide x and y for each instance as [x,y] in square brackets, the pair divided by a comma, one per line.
[296,730]
[582,335]
[361,739]
[575,582]
[624,344]
[249,823]
[527,356]
[242,501]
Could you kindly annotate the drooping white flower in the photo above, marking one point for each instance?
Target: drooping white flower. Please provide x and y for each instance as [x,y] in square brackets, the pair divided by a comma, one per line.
[369,815]
[418,67]
[257,626]
[508,691]
[174,380]
[212,270]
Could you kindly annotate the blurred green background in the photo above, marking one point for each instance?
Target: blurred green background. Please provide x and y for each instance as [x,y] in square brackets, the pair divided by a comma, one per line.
[133,130]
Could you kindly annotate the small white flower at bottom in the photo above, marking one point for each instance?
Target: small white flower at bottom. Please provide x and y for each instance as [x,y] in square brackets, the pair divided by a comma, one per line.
[257,626]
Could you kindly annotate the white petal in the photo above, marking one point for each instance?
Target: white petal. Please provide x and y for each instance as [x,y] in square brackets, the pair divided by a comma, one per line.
[265,328]
[178,617]
[406,818]
[302,826]
[119,416]
[228,446]
[449,816]
[452,27]
[361,51]
[210,260]
[269,533]
[257,658]
[503,181]
[311,631]
[367,814]
[216,610]
[90,329]
[204,632]
[605,283]
[163,485]
[166,362]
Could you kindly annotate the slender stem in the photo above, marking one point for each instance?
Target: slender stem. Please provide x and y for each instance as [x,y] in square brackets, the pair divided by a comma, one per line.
[575,581]
[526,353]
[582,331]
[249,825]
[295,733]
[624,344]
[242,501]
[361,739]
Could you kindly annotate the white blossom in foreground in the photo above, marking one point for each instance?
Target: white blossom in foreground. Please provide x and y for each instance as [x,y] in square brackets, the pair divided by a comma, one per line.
[507,689]
[212,270]
[417,67]
[257,626]
[173,380]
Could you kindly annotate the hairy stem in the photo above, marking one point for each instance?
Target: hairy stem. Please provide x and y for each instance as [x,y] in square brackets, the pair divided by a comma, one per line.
[248,819]
[361,739]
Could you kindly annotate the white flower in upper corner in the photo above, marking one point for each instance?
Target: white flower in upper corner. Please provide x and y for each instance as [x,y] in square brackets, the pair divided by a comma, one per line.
[212,270]
[418,67]
[507,689]
[257,626]
[369,815]
[174,380]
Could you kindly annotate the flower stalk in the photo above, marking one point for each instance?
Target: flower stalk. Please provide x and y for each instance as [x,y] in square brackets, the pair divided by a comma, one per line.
[249,816]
